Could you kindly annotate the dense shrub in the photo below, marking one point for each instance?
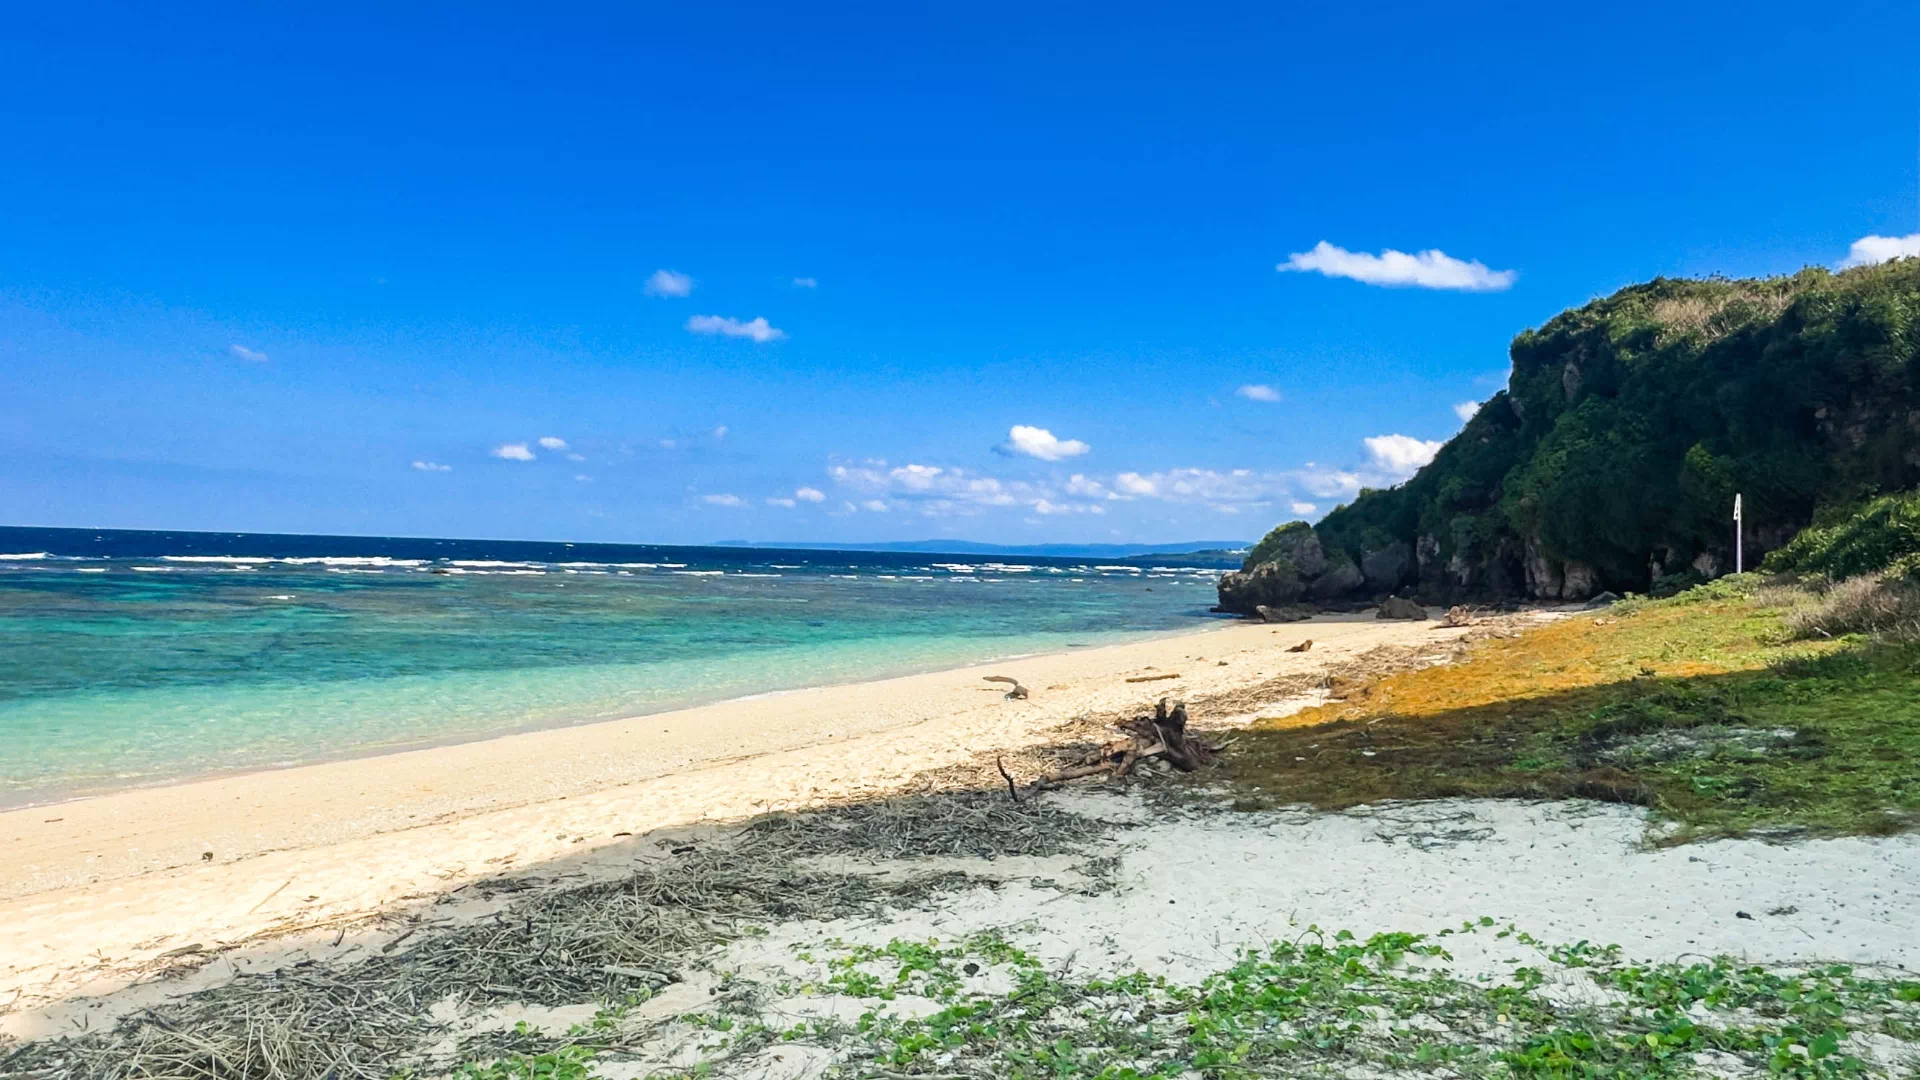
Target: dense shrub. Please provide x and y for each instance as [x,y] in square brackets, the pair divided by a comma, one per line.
[1274,542]
[1882,534]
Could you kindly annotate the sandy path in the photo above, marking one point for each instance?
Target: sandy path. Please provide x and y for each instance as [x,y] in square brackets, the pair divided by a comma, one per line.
[90,890]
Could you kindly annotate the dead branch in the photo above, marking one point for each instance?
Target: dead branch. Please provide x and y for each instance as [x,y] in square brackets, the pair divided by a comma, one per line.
[1018,693]
[1013,791]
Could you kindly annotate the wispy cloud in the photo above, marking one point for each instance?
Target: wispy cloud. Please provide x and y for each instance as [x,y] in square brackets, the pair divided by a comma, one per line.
[720,432]
[1258,392]
[514,451]
[878,506]
[812,495]
[1038,442]
[1465,410]
[757,329]
[723,499]
[1431,269]
[936,490]
[668,283]
[1325,481]
[1048,506]
[775,500]
[251,356]
[1086,487]
[1865,251]
[1209,486]
[941,490]
[1400,456]
[432,466]
[805,283]
[553,442]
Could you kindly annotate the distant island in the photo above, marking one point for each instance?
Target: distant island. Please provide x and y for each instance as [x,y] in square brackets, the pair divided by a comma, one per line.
[1229,552]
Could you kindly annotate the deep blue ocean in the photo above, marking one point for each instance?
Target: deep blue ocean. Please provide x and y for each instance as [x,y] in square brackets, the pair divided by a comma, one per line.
[131,658]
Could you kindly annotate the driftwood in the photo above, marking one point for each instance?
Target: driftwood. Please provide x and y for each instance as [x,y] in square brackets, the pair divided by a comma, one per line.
[1154,678]
[1018,693]
[1162,735]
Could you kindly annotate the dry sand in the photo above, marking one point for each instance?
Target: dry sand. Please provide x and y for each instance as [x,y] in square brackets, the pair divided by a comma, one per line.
[93,891]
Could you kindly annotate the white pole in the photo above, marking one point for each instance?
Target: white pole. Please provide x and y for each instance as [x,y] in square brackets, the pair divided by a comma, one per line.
[1739,540]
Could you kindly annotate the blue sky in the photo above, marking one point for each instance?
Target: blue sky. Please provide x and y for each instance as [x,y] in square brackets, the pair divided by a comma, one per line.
[342,270]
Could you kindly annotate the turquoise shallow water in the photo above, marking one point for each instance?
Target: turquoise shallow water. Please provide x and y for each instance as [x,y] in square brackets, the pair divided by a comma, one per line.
[129,659]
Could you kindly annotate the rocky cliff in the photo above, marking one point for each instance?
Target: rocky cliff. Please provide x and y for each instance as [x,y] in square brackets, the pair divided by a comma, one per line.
[1611,460]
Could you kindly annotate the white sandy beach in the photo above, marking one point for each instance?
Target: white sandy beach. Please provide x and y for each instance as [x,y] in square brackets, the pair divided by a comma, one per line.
[101,895]
[91,890]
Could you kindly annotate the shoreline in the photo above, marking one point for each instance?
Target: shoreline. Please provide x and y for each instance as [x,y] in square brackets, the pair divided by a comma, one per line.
[94,892]
[41,800]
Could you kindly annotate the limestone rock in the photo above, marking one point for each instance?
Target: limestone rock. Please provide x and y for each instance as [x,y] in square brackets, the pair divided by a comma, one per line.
[1275,584]
[1543,576]
[1399,607]
[1577,581]
[1339,578]
[1388,568]
[1271,614]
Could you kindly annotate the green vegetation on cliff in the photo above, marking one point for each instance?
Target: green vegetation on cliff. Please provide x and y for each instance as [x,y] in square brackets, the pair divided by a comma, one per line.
[1613,457]
[1275,543]
[1884,534]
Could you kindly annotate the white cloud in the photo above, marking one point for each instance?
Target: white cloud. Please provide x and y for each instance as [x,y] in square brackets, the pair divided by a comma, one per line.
[1326,481]
[583,478]
[1040,443]
[252,356]
[1220,489]
[805,283]
[1086,487]
[1048,506]
[807,494]
[1465,410]
[553,442]
[1258,392]
[1431,269]
[722,500]
[1209,486]
[757,329]
[669,283]
[1303,508]
[775,500]
[1865,251]
[576,457]
[432,466]
[669,444]
[934,490]
[1400,456]
[720,432]
[513,451]
[878,506]
[917,477]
